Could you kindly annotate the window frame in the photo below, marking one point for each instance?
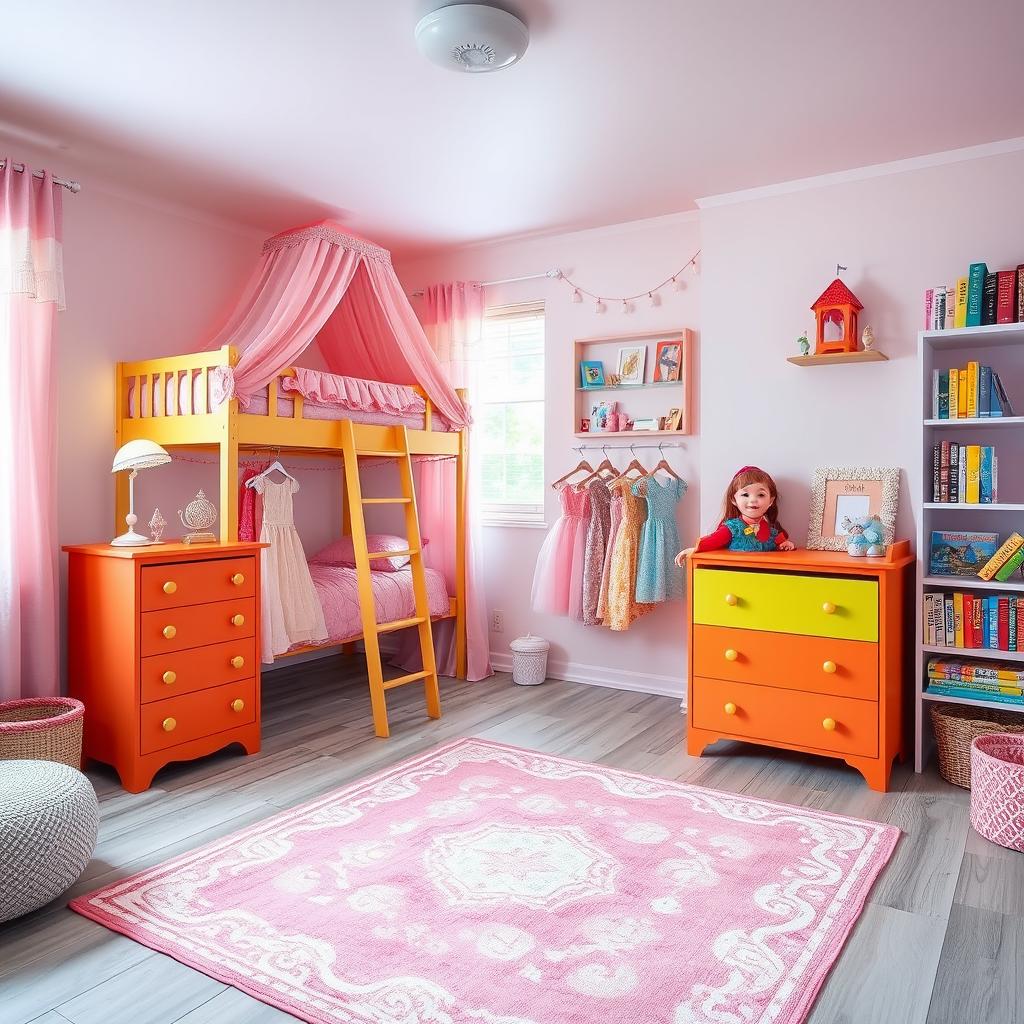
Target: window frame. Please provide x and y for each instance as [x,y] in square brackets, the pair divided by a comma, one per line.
[526,515]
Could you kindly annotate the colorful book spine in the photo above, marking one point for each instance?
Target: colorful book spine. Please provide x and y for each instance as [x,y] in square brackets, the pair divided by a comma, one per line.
[1020,622]
[989,295]
[972,390]
[975,285]
[1012,620]
[960,310]
[993,623]
[943,413]
[1011,565]
[944,457]
[929,302]
[948,619]
[973,475]
[958,619]
[989,671]
[950,307]
[961,487]
[961,392]
[986,636]
[968,604]
[995,478]
[954,472]
[985,475]
[937,472]
[984,391]
[1006,296]
[939,690]
[976,609]
[1004,624]
[1009,547]
[1006,408]
[954,393]
[1020,293]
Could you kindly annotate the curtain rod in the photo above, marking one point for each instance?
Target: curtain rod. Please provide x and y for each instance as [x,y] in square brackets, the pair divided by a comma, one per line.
[555,274]
[602,447]
[71,186]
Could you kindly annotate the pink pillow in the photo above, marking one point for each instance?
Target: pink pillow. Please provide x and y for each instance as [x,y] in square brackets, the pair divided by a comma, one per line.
[341,552]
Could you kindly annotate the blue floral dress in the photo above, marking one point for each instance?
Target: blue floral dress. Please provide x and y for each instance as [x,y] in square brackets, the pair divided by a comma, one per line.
[658,578]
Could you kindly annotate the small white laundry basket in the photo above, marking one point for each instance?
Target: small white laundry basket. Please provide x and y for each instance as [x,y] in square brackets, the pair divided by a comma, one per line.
[529,660]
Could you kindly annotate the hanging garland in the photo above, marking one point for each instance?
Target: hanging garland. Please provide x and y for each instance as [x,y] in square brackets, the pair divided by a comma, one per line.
[626,302]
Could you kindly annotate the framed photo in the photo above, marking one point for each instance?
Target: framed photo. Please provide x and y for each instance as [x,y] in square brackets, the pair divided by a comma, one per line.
[668,362]
[838,492]
[591,373]
[673,418]
[585,425]
[632,359]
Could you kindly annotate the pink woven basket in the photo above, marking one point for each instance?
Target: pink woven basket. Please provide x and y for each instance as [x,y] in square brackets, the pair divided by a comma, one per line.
[997,788]
[42,729]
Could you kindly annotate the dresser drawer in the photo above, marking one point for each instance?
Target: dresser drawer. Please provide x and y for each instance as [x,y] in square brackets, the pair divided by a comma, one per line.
[178,672]
[846,668]
[774,715]
[177,629]
[176,584]
[829,606]
[166,723]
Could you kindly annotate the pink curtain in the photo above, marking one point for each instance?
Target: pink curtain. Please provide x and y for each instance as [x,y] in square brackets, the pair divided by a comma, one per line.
[31,292]
[453,323]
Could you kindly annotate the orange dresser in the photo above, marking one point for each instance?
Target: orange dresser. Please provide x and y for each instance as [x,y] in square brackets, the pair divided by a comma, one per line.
[163,650]
[802,650]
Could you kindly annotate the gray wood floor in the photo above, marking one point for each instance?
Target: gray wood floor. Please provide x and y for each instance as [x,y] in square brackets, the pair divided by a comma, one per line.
[941,941]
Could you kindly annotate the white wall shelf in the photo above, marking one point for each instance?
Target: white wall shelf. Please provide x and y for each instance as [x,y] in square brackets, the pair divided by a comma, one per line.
[1000,346]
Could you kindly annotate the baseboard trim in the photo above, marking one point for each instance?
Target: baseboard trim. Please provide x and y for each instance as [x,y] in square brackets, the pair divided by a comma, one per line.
[597,675]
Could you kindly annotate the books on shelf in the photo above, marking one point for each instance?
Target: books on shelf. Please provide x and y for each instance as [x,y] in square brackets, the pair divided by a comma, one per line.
[960,552]
[972,392]
[964,474]
[1007,550]
[962,620]
[975,680]
[982,297]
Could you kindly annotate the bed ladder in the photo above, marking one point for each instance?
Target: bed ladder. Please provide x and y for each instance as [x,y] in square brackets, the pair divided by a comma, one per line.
[367,606]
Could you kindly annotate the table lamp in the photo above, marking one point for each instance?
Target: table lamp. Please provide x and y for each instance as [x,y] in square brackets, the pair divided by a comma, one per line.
[136,455]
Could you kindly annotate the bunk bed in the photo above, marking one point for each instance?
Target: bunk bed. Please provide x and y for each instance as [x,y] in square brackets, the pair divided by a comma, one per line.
[243,394]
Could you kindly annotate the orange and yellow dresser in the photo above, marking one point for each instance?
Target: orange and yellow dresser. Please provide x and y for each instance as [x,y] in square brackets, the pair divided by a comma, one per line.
[802,650]
[163,650]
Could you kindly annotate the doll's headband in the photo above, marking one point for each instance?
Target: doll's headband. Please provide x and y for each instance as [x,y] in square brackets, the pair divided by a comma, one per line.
[747,469]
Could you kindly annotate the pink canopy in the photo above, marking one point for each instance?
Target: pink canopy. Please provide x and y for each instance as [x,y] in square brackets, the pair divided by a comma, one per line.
[319,283]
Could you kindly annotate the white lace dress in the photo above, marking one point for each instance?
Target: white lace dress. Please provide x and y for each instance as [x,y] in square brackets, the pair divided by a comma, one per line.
[291,609]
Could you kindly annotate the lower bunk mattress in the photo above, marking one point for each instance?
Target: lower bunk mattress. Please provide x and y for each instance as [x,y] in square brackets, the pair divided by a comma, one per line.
[393,597]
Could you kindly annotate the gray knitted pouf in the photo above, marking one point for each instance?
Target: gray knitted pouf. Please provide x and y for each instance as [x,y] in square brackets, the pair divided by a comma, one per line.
[48,821]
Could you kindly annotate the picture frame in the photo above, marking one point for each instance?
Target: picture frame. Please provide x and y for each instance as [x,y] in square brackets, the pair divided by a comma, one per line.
[650,423]
[839,491]
[668,362]
[673,419]
[585,425]
[591,373]
[632,363]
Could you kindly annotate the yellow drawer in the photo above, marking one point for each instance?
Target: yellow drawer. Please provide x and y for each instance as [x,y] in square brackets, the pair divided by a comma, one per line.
[834,606]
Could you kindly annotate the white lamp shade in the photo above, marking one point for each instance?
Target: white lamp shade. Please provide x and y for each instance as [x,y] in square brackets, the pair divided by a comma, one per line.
[140,454]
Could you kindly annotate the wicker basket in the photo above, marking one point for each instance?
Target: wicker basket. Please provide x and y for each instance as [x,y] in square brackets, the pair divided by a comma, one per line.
[997,796]
[529,660]
[42,729]
[957,726]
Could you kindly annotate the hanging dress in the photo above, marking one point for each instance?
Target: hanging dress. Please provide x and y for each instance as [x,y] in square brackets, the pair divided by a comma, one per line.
[613,531]
[560,561]
[658,578]
[291,609]
[623,607]
[597,540]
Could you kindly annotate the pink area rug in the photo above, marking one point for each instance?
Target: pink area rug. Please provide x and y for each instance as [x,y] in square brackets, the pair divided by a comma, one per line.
[484,884]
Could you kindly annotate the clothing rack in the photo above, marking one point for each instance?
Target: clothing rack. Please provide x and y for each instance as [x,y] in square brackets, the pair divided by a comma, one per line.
[661,446]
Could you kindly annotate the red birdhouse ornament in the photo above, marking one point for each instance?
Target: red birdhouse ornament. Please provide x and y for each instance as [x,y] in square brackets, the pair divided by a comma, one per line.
[835,317]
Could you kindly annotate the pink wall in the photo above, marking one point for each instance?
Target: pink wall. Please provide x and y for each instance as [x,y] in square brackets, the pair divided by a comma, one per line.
[617,260]
[767,260]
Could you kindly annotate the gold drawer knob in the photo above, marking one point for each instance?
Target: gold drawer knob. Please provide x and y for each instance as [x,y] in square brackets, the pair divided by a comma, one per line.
[730,708]
[238,579]
[731,599]
[829,667]
[170,587]
[237,620]
[169,724]
[828,608]
[731,655]
[170,677]
[169,632]
[829,725]
[237,661]
[238,705]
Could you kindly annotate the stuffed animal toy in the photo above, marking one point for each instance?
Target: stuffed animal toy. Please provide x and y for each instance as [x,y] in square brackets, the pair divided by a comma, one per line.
[866,535]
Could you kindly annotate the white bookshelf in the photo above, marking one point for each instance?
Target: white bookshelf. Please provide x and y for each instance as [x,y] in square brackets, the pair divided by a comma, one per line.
[1000,346]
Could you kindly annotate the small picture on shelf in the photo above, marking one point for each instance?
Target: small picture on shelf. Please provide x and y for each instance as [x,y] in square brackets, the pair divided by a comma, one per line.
[585,425]
[668,361]
[632,360]
[599,415]
[960,552]
[672,420]
[649,423]
[591,374]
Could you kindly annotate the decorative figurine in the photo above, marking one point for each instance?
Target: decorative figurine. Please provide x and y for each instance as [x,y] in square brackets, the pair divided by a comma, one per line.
[199,515]
[835,317]
[866,535]
[867,339]
[156,526]
[805,345]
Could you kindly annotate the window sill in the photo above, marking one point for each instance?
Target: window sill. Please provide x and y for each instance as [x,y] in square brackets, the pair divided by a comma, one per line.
[518,524]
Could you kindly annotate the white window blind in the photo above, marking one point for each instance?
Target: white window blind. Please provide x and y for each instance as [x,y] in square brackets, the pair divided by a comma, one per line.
[510,405]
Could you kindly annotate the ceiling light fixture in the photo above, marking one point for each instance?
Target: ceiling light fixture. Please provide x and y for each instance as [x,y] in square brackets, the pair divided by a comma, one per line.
[475,38]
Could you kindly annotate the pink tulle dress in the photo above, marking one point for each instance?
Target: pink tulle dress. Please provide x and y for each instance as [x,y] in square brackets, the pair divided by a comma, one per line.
[558,579]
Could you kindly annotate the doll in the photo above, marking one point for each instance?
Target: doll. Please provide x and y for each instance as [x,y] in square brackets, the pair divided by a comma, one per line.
[750,517]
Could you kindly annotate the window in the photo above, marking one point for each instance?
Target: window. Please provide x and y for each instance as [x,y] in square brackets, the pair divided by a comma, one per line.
[510,407]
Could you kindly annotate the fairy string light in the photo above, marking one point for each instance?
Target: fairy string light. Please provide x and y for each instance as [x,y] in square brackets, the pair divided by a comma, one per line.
[625,303]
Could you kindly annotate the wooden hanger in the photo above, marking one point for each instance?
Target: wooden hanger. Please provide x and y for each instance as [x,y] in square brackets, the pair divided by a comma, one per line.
[578,468]
[663,464]
[275,465]
[605,464]
[635,464]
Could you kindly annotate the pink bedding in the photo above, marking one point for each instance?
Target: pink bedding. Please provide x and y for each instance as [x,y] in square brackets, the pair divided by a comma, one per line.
[328,397]
[392,593]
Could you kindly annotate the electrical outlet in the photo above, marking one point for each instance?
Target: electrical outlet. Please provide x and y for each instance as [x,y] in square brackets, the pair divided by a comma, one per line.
[497,621]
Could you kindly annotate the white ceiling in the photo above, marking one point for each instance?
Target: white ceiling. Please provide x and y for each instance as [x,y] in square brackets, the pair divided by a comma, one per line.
[276,113]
